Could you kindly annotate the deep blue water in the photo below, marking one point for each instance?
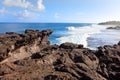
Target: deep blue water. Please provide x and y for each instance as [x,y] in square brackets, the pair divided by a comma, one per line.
[59,29]
[90,35]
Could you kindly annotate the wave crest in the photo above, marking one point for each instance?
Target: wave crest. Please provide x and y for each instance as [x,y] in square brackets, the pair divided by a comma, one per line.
[71,28]
[80,35]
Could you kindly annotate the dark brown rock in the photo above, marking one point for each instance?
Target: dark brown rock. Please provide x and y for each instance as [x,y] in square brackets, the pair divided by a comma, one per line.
[68,45]
[11,41]
[119,43]
[30,56]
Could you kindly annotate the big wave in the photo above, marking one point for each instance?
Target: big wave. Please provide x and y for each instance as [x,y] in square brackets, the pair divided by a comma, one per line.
[79,35]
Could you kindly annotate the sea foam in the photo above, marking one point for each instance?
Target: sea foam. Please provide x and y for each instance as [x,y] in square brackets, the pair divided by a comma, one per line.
[80,35]
[71,28]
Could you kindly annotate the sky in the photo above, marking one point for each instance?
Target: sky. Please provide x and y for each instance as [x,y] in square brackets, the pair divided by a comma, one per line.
[75,11]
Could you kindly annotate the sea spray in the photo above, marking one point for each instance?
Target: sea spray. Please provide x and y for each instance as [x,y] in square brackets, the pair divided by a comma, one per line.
[90,35]
[80,35]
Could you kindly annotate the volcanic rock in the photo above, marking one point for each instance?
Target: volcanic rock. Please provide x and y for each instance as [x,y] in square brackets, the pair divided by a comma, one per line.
[29,56]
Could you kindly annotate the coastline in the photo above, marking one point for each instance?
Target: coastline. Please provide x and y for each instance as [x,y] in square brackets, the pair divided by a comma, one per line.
[31,56]
[90,35]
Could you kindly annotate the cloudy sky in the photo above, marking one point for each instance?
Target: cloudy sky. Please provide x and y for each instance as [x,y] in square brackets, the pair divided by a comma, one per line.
[59,10]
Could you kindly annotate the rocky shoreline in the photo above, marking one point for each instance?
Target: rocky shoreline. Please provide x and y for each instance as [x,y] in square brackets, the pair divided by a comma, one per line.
[114,25]
[110,23]
[30,56]
[114,28]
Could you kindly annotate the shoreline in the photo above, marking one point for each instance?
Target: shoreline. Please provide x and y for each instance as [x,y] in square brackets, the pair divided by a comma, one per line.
[31,56]
[89,35]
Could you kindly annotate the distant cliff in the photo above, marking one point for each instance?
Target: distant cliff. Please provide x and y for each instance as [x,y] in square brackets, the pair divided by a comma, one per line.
[110,23]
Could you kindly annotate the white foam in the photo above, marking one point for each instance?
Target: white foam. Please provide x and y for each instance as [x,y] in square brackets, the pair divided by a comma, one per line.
[71,28]
[79,35]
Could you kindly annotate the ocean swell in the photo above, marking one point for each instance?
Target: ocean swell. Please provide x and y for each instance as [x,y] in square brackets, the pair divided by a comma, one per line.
[80,35]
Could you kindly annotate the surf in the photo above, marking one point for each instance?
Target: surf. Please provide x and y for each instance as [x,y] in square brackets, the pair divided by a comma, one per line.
[81,35]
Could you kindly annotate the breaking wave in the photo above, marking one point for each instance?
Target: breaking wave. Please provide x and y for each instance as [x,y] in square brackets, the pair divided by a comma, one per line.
[71,28]
[81,35]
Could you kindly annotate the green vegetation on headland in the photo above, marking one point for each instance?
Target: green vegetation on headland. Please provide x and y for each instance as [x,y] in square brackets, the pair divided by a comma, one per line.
[110,23]
[113,24]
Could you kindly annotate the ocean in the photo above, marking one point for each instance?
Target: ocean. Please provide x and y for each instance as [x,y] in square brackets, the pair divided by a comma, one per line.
[90,35]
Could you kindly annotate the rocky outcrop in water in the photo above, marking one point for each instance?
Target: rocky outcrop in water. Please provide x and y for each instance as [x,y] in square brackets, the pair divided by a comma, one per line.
[30,56]
[114,28]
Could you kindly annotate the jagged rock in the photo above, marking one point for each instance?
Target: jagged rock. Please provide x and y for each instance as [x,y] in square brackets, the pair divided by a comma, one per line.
[111,57]
[30,56]
[68,45]
[12,42]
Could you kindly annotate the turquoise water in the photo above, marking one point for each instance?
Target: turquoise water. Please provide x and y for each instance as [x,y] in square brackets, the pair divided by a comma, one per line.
[90,35]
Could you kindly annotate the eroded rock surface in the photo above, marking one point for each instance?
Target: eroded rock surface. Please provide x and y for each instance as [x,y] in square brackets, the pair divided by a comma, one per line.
[30,56]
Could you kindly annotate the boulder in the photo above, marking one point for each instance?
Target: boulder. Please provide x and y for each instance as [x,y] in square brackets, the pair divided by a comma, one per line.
[68,45]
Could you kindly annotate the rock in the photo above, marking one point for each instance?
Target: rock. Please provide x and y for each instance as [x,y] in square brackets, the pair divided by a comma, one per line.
[119,43]
[11,42]
[29,31]
[80,46]
[46,32]
[68,45]
[30,56]
[115,28]
[10,33]
[110,55]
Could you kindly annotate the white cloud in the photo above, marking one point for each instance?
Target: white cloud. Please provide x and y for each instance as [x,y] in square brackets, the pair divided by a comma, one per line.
[40,5]
[24,4]
[17,3]
[2,11]
[25,14]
